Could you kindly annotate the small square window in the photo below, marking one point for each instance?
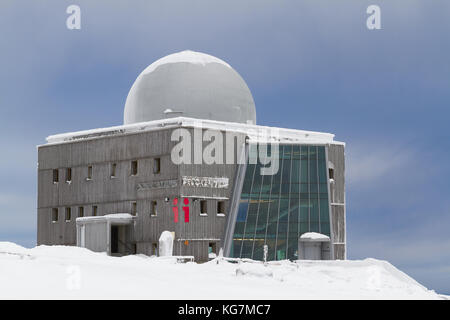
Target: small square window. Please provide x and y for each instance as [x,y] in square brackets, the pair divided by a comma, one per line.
[68,174]
[156,165]
[113,170]
[80,212]
[55,215]
[89,173]
[221,207]
[94,211]
[203,207]
[68,214]
[134,167]
[153,208]
[133,208]
[55,175]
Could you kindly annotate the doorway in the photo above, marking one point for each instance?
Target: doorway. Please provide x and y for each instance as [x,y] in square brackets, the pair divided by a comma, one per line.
[114,239]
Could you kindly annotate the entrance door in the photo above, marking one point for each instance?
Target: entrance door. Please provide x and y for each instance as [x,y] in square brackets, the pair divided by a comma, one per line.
[114,239]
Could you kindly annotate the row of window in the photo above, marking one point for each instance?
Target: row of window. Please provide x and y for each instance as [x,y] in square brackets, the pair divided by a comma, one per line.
[68,213]
[113,170]
[220,209]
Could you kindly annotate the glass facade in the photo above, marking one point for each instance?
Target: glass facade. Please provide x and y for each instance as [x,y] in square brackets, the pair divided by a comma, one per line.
[277,209]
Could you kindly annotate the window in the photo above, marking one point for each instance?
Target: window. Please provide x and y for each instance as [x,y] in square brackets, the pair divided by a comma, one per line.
[274,215]
[68,214]
[55,175]
[154,248]
[133,208]
[134,167]
[68,174]
[89,173]
[80,212]
[94,211]
[113,170]
[55,215]
[156,165]
[203,207]
[331,173]
[153,211]
[221,207]
[211,247]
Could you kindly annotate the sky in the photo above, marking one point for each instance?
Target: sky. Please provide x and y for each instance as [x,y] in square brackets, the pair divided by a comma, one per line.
[310,65]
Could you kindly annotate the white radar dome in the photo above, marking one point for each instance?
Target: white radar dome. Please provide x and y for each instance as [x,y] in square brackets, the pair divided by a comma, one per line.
[190,84]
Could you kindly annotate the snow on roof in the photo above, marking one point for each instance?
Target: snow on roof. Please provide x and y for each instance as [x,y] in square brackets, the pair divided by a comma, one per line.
[184,56]
[255,133]
[314,236]
[115,217]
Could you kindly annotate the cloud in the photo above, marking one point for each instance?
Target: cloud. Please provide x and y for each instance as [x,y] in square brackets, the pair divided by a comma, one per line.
[367,162]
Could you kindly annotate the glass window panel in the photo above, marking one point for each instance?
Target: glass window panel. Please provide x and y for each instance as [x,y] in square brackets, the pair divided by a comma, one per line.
[321,152]
[248,179]
[324,211]
[236,248]
[251,219]
[262,220]
[325,228]
[247,247]
[284,210]
[285,189]
[314,210]
[239,229]
[294,210]
[270,242]
[304,172]
[296,152]
[287,151]
[322,168]
[312,166]
[315,227]
[304,188]
[281,248]
[323,188]
[295,171]
[292,253]
[304,227]
[258,250]
[242,211]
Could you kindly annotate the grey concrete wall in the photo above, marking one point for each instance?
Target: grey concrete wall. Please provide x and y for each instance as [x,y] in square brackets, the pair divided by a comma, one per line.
[116,195]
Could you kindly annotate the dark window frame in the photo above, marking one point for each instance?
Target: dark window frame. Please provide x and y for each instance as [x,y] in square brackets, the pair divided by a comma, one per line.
[203,207]
[68,214]
[55,214]
[134,168]
[156,165]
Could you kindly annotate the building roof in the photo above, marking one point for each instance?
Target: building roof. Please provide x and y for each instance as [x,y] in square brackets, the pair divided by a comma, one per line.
[255,133]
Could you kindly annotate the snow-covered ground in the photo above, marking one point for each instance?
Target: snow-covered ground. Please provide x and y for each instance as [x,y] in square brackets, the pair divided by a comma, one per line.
[58,272]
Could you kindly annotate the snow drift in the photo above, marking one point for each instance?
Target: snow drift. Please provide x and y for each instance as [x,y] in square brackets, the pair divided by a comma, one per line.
[59,272]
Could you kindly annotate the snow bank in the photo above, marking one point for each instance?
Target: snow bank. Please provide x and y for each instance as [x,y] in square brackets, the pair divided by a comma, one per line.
[166,244]
[59,272]
[254,269]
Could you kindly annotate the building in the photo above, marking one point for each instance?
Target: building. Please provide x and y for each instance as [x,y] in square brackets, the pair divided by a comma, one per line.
[191,160]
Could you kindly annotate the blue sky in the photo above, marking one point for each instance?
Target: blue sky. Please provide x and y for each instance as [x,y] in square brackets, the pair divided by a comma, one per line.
[310,65]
